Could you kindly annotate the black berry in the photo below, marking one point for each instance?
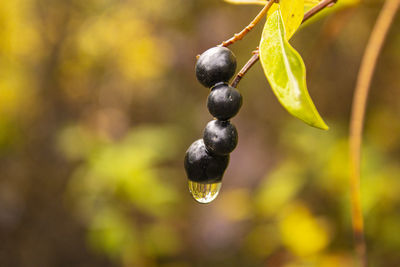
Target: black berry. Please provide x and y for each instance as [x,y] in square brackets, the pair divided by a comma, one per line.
[220,137]
[224,102]
[217,64]
[203,167]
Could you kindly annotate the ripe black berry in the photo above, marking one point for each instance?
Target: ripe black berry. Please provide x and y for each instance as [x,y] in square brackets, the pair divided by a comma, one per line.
[217,64]
[224,102]
[203,167]
[220,137]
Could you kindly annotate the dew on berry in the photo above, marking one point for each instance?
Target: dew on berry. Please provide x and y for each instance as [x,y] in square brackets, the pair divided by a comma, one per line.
[204,193]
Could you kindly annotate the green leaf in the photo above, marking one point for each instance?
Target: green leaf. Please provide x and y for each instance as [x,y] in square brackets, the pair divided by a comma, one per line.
[286,73]
[272,9]
[292,15]
[247,2]
[340,5]
[311,2]
[263,2]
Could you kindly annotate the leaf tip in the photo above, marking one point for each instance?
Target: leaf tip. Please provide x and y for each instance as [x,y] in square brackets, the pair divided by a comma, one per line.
[321,125]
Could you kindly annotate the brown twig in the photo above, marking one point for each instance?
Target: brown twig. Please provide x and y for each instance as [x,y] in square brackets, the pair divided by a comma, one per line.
[256,56]
[318,8]
[245,68]
[367,68]
[240,35]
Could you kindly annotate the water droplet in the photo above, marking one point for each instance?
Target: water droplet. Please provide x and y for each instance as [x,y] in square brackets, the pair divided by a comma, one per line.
[204,193]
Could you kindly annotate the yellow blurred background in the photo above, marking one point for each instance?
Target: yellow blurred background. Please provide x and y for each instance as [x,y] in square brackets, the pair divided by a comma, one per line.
[99,101]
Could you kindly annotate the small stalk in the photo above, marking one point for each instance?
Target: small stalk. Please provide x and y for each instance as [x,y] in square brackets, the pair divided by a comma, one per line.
[368,64]
[240,35]
[245,68]
[250,63]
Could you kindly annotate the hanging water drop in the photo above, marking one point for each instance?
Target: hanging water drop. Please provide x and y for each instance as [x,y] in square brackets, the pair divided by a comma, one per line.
[204,171]
[204,193]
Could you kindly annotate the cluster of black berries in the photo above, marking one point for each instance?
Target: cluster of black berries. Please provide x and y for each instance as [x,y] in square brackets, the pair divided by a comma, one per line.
[207,158]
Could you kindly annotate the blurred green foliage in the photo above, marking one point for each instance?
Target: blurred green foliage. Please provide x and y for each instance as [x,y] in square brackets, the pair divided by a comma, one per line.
[122,192]
[98,102]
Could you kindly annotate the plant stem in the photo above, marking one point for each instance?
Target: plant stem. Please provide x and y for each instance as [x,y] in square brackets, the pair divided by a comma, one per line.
[366,71]
[245,68]
[240,35]
[318,8]
[256,55]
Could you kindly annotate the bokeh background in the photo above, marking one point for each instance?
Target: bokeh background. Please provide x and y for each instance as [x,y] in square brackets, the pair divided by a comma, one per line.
[99,102]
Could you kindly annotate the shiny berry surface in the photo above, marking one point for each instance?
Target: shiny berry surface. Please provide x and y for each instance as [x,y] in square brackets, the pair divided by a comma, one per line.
[203,167]
[220,137]
[224,102]
[217,64]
